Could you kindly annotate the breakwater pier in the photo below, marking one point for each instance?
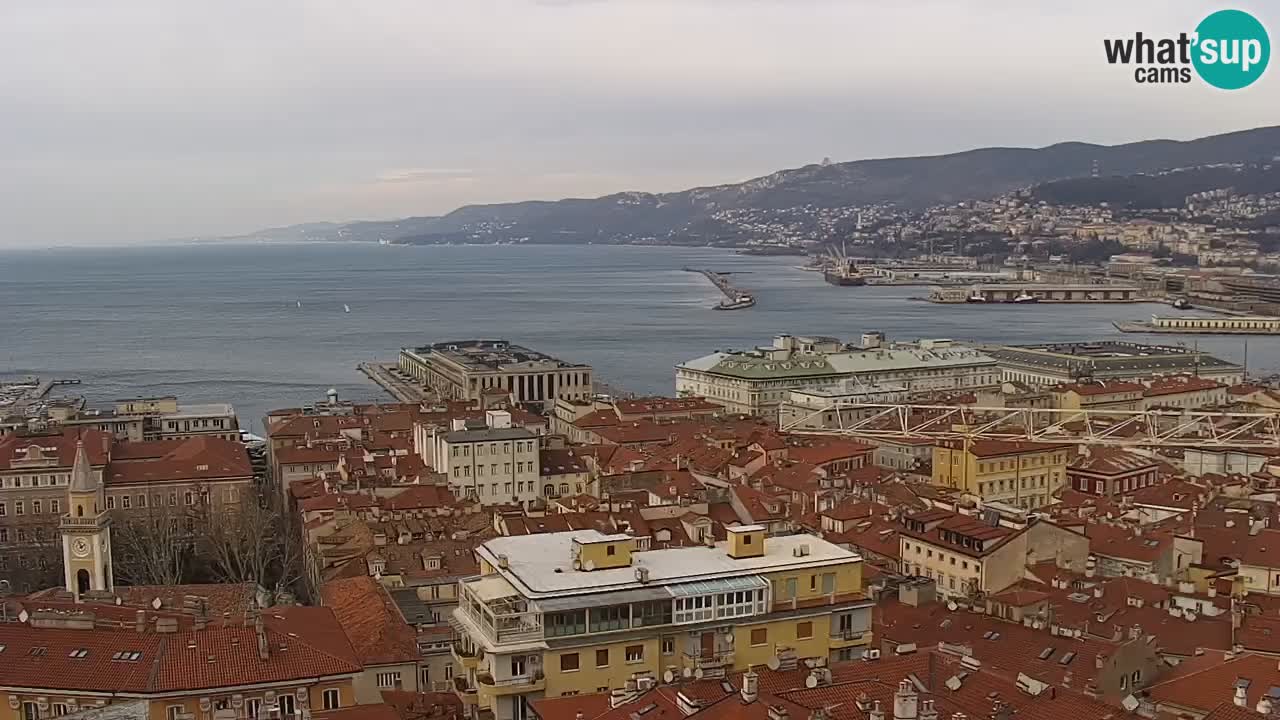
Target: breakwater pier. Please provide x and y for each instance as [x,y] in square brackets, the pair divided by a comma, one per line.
[734,298]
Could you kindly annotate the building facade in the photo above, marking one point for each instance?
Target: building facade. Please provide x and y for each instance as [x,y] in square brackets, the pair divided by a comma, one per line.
[465,369]
[494,465]
[757,382]
[158,418]
[1021,474]
[1060,363]
[582,612]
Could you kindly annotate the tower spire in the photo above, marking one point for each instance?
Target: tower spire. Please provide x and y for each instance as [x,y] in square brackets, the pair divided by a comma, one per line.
[81,472]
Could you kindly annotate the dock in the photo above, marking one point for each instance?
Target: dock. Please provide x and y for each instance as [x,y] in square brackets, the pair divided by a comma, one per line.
[734,298]
[1231,325]
[388,377]
[1038,293]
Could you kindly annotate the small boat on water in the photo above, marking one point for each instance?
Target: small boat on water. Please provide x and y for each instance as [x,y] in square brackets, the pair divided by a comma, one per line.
[299,303]
[1182,304]
[976,297]
[346,307]
[738,303]
[1025,297]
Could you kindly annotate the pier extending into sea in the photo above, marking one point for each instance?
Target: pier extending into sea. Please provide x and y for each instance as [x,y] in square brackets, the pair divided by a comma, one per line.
[735,298]
[401,387]
[1038,292]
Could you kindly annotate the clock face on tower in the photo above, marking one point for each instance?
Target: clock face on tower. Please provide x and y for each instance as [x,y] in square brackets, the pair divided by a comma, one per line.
[80,547]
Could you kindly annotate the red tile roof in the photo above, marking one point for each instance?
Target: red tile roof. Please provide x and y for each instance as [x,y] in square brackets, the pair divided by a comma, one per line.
[1203,683]
[302,643]
[204,458]
[1175,384]
[60,446]
[378,633]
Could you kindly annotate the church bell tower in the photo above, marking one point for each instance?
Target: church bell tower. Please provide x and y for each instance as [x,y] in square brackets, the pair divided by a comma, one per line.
[86,531]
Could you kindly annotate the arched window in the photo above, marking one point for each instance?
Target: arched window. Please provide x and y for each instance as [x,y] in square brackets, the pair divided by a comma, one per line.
[79,511]
[82,581]
[548,490]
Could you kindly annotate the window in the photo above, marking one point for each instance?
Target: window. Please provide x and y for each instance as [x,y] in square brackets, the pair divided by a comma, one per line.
[609,618]
[190,499]
[760,636]
[331,699]
[602,658]
[54,507]
[3,510]
[668,645]
[829,582]
[35,507]
[569,662]
[389,680]
[59,709]
[573,622]
[635,653]
[30,711]
[254,706]
[18,508]
[804,630]
[654,612]
[126,502]
[287,704]
[448,671]
[813,582]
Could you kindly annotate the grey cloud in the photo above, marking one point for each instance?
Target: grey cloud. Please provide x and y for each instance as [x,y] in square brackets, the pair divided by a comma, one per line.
[145,119]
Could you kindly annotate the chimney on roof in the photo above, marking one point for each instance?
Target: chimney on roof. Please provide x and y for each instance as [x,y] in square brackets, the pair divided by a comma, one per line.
[778,712]
[906,702]
[927,711]
[876,712]
[140,621]
[264,651]
[1264,705]
[1241,692]
[750,686]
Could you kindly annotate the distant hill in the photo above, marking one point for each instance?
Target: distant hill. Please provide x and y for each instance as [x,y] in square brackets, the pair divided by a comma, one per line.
[688,216]
[1163,190]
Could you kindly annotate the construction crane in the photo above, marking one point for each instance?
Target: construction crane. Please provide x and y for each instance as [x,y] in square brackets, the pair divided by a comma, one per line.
[1118,428]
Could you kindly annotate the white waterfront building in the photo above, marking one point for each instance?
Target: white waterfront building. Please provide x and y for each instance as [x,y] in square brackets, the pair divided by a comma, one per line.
[758,381]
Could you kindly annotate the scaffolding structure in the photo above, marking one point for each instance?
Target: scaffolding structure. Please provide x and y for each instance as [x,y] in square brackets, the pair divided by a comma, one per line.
[1173,428]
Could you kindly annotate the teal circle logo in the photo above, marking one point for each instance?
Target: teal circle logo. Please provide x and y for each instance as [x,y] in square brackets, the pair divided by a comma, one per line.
[1232,49]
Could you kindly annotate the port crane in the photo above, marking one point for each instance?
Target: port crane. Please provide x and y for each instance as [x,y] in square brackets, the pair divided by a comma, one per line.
[1170,428]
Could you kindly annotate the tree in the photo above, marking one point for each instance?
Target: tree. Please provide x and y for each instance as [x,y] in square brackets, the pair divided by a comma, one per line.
[153,546]
[252,541]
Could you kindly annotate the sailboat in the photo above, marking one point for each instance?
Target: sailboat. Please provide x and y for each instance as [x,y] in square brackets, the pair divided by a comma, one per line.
[299,303]
[346,307]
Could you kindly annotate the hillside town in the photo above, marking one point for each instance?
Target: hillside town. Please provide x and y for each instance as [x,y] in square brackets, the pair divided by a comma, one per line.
[812,528]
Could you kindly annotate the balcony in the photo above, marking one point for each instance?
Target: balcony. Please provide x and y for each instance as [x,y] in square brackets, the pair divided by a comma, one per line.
[467,658]
[533,681]
[780,605]
[709,661]
[466,693]
[69,521]
[848,637]
[492,605]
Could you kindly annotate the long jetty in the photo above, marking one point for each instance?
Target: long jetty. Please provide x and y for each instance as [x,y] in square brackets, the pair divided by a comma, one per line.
[398,387]
[721,282]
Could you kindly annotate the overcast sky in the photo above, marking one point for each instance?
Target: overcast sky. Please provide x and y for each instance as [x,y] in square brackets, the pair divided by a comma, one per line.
[139,120]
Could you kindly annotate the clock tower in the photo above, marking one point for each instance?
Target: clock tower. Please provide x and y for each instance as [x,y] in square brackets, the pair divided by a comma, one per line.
[86,531]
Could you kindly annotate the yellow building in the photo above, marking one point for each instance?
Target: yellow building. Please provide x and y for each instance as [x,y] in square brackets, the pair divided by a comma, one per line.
[583,612]
[1099,395]
[1022,474]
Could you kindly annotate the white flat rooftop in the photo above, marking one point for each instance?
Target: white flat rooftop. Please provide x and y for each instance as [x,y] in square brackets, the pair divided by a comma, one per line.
[541,564]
